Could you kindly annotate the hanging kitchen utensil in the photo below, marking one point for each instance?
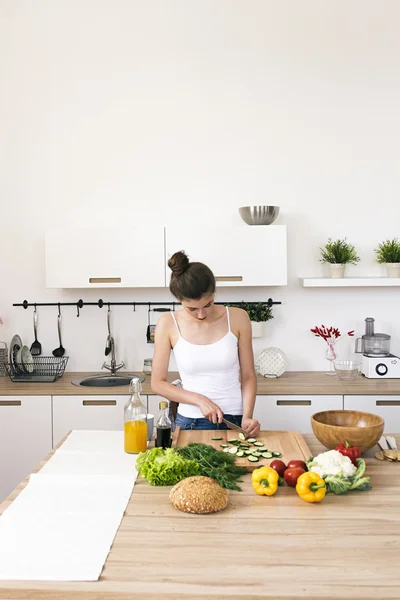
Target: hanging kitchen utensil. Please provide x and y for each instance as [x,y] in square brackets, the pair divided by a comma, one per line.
[36,348]
[60,351]
[108,343]
[151,329]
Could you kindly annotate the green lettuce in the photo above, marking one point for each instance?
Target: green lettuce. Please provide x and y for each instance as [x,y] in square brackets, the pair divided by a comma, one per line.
[165,467]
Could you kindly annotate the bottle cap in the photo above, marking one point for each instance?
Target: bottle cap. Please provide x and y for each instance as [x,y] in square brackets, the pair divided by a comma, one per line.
[163,404]
[135,385]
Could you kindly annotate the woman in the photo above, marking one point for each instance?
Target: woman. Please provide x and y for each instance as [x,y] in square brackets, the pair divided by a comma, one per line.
[213,351]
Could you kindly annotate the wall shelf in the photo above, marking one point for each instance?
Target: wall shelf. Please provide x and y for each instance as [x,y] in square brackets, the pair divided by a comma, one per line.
[349,282]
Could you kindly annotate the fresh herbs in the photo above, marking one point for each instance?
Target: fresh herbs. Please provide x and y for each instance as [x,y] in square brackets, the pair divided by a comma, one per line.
[165,467]
[339,252]
[214,463]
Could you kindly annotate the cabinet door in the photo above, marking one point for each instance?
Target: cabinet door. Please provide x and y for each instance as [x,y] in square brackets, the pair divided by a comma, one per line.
[238,256]
[87,412]
[93,258]
[292,412]
[25,438]
[387,407]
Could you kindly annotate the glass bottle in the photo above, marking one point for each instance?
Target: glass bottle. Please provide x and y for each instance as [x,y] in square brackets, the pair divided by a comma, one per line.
[163,427]
[135,420]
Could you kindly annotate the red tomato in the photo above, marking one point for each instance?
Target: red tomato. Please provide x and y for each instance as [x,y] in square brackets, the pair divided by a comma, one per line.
[291,475]
[293,464]
[279,466]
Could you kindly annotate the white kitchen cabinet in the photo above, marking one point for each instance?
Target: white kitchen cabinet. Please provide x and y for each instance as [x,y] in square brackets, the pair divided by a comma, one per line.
[96,258]
[292,412]
[153,405]
[25,438]
[238,255]
[87,412]
[387,407]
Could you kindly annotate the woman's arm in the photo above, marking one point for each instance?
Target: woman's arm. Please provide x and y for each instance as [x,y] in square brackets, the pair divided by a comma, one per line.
[247,373]
[159,382]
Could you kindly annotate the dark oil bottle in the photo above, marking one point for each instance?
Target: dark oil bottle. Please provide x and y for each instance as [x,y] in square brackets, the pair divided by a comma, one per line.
[163,427]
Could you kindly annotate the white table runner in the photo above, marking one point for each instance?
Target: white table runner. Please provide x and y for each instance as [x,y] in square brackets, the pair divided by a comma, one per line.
[62,525]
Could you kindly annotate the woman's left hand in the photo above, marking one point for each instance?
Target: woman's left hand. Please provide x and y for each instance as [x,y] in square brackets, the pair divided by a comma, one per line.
[252,426]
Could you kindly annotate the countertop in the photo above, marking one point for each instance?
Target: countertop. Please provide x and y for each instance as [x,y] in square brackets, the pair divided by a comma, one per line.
[290,383]
[280,547]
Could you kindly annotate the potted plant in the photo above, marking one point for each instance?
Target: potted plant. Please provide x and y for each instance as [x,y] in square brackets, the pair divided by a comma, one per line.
[259,313]
[388,253]
[338,254]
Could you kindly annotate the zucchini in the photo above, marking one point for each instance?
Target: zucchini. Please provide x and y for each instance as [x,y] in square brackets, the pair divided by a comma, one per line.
[240,453]
[258,443]
[241,436]
[251,440]
[253,458]
[266,454]
[255,453]
[224,445]
[232,450]
[248,451]
[277,454]
[226,450]
[216,438]
[234,442]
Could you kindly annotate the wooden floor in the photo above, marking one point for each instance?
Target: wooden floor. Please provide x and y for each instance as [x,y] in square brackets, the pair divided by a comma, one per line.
[347,547]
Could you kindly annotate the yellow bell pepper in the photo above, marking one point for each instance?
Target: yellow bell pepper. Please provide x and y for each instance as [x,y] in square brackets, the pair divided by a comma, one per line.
[311,487]
[265,481]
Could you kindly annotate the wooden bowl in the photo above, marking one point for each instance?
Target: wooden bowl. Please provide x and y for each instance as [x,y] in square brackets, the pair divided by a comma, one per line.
[333,427]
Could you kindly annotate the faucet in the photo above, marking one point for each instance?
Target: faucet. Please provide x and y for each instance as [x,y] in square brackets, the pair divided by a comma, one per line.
[113,367]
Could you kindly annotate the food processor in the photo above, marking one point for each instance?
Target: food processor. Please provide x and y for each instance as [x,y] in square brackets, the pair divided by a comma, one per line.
[376,360]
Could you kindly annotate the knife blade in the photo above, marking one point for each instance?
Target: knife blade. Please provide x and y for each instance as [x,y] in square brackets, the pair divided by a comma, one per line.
[235,427]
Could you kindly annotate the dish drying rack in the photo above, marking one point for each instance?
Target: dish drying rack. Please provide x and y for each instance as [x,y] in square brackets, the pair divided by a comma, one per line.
[43,369]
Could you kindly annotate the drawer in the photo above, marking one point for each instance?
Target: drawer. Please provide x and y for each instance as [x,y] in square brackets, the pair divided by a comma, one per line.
[387,407]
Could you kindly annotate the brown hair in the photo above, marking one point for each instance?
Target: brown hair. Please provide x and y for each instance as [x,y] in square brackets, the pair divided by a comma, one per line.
[190,280]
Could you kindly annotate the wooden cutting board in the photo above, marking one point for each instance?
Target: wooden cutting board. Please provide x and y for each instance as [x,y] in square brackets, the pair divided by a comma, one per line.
[290,444]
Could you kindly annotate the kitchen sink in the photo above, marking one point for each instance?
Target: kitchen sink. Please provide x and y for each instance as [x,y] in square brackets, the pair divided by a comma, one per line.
[106,381]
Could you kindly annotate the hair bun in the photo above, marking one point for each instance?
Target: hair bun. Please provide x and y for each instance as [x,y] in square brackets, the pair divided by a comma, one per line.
[178,263]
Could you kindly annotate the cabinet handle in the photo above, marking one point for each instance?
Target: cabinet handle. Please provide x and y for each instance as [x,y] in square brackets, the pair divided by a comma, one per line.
[293,402]
[387,403]
[228,278]
[10,403]
[104,279]
[99,402]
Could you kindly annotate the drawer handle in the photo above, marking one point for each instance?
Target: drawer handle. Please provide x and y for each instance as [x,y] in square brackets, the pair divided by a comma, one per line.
[10,403]
[229,278]
[293,402]
[104,279]
[387,403]
[99,402]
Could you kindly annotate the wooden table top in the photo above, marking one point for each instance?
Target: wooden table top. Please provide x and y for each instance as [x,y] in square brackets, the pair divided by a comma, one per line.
[290,383]
[279,547]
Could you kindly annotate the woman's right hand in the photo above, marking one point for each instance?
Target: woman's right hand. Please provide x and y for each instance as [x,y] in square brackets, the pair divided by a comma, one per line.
[210,410]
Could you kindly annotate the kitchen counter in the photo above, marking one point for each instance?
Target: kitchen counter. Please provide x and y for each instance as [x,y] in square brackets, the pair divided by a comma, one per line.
[279,547]
[290,383]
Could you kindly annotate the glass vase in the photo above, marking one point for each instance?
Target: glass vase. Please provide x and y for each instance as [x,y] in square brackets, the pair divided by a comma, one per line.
[330,354]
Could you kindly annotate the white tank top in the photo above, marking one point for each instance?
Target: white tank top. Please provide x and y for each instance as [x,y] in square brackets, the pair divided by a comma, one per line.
[211,370]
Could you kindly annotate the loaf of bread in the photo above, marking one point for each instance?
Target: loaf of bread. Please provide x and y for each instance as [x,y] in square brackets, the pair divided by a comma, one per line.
[200,495]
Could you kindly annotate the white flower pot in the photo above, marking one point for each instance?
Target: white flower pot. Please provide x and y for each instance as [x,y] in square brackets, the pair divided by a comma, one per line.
[257,329]
[336,271]
[393,269]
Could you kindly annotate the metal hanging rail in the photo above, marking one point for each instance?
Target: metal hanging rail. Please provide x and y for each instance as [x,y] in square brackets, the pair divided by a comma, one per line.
[100,303]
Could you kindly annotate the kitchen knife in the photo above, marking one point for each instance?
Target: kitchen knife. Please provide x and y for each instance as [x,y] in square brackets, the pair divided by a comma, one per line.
[235,427]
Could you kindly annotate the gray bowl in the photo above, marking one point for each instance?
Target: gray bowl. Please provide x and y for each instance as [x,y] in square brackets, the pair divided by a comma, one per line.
[259,215]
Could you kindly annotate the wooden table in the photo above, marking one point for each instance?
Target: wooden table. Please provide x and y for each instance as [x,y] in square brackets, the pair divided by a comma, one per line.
[280,547]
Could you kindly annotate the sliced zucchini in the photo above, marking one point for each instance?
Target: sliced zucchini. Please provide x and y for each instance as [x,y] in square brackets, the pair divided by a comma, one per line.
[240,453]
[255,453]
[216,438]
[233,450]
[248,451]
[226,450]
[258,443]
[224,445]
[266,454]
[241,436]
[234,442]
[277,454]
[251,440]
[253,458]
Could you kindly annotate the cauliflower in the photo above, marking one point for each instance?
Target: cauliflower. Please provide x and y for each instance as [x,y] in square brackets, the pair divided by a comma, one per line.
[332,463]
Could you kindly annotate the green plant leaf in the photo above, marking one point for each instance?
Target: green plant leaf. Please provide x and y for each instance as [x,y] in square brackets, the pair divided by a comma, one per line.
[388,251]
[257,311]
[339,252]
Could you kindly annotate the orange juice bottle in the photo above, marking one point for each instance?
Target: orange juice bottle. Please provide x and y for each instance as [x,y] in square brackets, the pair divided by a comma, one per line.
[135,420]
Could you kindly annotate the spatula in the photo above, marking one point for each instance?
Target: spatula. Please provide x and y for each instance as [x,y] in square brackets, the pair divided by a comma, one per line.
[36,348]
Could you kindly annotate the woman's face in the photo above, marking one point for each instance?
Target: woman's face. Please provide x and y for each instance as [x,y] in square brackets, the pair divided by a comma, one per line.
[199,309]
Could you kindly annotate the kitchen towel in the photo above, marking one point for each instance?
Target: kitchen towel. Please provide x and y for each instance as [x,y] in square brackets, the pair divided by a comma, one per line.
[63,523]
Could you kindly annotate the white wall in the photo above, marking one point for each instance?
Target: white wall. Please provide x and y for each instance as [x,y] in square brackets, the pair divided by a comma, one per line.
[148,111]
